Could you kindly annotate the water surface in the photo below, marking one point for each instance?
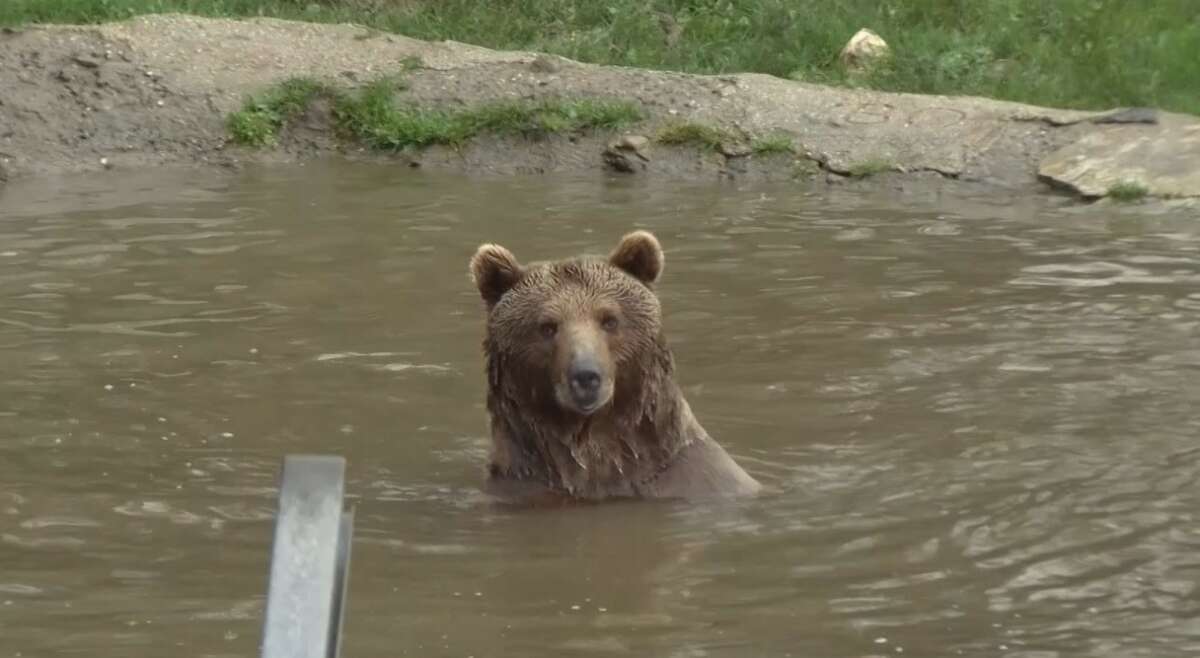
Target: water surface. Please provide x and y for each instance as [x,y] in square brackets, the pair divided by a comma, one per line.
[978,416]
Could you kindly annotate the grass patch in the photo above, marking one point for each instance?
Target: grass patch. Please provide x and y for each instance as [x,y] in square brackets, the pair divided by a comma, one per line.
[373,116]
[1090,54]
[772,144]
[548,117]
[869,168]
[1127,191]
[261,117]
[688,132]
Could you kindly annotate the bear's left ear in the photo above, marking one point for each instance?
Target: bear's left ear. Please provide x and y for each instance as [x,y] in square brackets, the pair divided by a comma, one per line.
[639,255]
[495,270]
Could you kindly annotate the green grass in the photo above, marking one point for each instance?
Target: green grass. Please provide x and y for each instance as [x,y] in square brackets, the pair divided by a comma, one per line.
[1128,191]
[373,116]
[772,144]
[869,168]
[261,117]
[687,132]
[1067,53]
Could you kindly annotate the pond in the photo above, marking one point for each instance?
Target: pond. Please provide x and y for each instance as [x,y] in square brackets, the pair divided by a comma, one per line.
[977,415]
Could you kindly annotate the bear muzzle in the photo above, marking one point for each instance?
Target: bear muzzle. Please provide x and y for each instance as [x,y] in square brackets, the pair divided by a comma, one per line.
[587,387]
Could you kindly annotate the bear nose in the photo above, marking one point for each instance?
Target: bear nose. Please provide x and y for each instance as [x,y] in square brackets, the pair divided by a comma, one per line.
[585,377]
[586,380]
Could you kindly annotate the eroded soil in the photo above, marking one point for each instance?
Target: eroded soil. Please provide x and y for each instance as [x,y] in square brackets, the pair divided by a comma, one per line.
[156,91]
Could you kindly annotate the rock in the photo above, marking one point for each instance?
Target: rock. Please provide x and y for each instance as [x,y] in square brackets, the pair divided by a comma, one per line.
[1164,158]
[864,49]
[805,168]
[734,150]
[634,144]
[671,27]
[544,64]
[1130,115]
[1002,68]
[86,62]
[619,152]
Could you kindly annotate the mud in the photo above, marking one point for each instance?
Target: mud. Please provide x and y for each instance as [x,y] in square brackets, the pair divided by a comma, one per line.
[155,91]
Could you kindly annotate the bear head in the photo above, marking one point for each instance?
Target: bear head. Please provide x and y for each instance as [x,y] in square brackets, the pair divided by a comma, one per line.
[572,338]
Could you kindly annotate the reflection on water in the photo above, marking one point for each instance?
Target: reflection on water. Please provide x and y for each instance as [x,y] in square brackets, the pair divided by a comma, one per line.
[977,415]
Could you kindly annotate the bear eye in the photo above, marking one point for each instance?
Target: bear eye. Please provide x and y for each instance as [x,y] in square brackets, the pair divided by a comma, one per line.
[548,328]
[609,323]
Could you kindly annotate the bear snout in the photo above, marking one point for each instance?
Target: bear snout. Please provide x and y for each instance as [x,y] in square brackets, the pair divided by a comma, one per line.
[587,387]
[585,378]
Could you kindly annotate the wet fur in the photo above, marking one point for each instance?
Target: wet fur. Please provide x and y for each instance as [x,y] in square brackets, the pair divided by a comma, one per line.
[645,442]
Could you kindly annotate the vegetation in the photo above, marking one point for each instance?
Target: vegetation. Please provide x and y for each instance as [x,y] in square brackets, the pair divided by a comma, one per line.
[1128,191]
[1068,53]
[261,117]
[772,144]
[686,132]
[373,116]
[869,168]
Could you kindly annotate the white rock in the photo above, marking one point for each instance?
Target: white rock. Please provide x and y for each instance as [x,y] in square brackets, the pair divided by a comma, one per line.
[862,49]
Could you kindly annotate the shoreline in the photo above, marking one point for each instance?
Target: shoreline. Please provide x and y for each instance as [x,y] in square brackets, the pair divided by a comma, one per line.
[157,90]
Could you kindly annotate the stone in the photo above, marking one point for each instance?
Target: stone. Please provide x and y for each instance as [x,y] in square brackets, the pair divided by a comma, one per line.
[1164,158]
[1130,115]
[633,143]
[864,49]
[619,152]
[544,64]
[734,149]
[86,62]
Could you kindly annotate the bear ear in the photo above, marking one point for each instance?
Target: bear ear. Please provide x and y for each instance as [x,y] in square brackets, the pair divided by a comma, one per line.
[494,270]
[640,255]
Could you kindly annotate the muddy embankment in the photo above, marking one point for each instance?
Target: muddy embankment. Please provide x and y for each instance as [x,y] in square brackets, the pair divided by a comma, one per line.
[156,91]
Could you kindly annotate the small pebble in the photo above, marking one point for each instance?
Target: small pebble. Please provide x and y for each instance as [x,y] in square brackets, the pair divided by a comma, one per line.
[881,640]
[159,103]
[574,607]
[226,435]
[108,387]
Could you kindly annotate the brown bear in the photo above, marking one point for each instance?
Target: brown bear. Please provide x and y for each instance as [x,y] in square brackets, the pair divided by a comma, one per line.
[581,390]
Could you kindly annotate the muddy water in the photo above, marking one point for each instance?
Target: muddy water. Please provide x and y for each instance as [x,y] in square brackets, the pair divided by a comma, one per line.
[979,418]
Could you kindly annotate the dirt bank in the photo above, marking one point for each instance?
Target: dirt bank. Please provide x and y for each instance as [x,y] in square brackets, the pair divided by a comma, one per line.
[156,90]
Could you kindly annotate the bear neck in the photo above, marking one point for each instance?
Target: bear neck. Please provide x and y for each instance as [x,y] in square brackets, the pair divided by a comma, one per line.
[610,452]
